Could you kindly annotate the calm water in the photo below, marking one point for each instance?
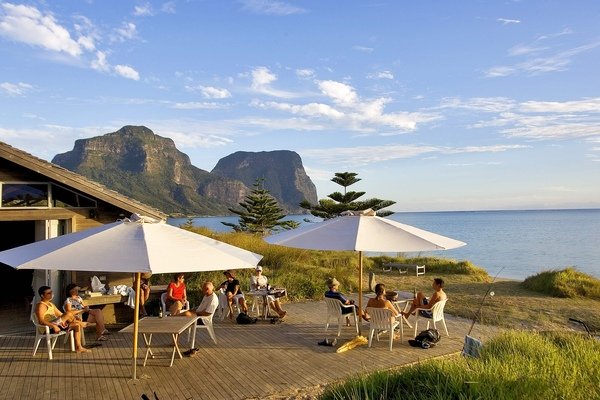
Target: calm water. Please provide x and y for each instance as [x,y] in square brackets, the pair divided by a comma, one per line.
[520,243]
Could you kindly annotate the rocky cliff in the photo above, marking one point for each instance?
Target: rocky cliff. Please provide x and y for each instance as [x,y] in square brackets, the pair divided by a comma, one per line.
[147,167]
[282,171]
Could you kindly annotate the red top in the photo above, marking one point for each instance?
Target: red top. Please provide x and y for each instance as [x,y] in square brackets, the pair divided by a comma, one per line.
[177,292]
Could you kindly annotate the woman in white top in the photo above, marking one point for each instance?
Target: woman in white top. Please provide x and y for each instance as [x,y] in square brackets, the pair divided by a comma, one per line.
[259,281]
[75,303]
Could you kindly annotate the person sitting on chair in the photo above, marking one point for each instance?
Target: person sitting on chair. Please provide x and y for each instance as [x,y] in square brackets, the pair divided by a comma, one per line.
[49,315]
[144,292]
[233,292]
[380,301]
[208,305]
[259,281]
[176,294]
[423,302]
[94,315]
[333,293]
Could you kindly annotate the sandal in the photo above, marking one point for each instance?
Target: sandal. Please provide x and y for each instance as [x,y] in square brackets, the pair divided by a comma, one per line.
[101,338]
[106,332]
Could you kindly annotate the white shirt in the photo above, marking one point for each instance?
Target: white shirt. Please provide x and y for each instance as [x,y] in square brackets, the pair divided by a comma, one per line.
[258,281]
[209,304]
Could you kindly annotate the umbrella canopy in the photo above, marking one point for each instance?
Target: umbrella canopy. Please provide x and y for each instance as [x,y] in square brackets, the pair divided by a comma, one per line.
[138,245]
[363,231]
[130,246]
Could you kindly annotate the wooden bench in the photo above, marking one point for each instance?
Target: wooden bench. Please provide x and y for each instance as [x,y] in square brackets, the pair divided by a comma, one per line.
[404,268]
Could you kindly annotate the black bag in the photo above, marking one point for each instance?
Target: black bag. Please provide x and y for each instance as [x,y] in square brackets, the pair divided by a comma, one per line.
[425,339]
[245,319]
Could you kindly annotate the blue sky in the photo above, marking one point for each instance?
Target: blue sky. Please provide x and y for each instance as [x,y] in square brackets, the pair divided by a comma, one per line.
[437,105]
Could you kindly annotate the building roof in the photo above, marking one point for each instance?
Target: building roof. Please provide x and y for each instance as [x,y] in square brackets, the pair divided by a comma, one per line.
[76,181]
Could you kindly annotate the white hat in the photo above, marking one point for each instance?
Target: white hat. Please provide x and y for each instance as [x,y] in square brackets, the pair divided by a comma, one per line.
[258,268]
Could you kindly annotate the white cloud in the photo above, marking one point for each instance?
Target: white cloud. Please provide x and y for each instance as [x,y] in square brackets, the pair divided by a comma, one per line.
[15,89]
[363,155]
[339,92]
[587,105]
[539,65]
[127,31]
[262,78]
[486,104]
[506,21]
[311,109]
[381,75]
[100,63]
[523,49]
[143,10]
[28,25]
[198,106]
[210,92]
[271,7]
[305,73]
[169,7]
[127,72]
[364,49]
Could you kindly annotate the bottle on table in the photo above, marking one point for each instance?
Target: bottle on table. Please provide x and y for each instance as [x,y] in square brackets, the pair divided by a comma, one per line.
[160,313]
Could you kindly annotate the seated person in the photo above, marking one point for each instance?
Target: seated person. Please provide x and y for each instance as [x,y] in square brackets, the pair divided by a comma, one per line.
[92,315]
[423,302]
[380,301]
[176,294]
[333,293]
[259,281]
[49,315]
[208,305]
[232,291]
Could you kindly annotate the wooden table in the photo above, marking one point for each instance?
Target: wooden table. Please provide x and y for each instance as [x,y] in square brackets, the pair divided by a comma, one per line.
[173,326]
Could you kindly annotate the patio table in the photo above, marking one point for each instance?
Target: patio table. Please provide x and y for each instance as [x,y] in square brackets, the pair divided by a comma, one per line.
[173,326]
[263,293]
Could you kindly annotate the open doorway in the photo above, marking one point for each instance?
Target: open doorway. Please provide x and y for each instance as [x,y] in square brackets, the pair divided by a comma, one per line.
[15,285]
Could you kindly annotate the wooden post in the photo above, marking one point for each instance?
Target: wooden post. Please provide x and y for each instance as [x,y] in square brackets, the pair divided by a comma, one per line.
[135,323]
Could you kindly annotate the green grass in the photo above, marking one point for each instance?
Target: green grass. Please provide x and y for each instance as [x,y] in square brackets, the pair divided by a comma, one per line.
[564,283]
[515,365]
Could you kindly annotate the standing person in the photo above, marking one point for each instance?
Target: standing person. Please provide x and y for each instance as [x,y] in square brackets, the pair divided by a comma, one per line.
[144,292]
[423,302]
[259,281]
[233,292]
[380,301]
[48,314]
[94,315]
[176,294]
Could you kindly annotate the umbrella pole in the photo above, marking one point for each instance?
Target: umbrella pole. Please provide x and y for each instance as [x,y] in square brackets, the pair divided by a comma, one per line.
[360,290]
[136,314]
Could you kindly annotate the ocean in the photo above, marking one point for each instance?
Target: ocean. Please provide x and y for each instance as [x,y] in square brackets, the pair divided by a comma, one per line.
[513,244]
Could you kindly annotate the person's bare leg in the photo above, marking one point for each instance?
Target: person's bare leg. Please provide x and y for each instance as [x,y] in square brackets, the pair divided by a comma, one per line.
[76,328]
[175,308]
[242,302]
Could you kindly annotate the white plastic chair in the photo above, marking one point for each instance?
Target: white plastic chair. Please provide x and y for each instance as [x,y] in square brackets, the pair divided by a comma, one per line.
[208,325]
[163,304]
[224,307]
[334,309]
[382,320]
[50,338]
[437,314]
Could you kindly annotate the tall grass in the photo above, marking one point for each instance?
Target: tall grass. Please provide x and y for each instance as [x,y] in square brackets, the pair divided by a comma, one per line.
[515,365]
[303,272]
[564,283]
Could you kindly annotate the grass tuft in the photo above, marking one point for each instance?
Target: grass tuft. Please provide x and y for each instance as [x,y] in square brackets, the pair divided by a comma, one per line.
[568,283]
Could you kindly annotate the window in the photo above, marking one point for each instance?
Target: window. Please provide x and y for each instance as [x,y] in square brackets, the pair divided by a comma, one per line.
[24,195]
[62,197]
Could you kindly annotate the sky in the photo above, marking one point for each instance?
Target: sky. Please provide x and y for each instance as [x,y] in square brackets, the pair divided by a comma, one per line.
[437,105]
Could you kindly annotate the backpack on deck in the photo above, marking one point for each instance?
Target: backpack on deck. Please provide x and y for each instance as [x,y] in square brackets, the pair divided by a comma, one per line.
[426,339]
[245,319]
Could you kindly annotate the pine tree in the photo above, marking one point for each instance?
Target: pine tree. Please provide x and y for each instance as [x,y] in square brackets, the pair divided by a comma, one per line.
[338,202]
[261,213]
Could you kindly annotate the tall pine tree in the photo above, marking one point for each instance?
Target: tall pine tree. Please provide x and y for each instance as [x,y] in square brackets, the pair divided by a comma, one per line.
[261,213]
[338,202]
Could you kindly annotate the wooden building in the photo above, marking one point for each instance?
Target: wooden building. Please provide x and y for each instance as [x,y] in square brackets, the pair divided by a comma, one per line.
[40,200]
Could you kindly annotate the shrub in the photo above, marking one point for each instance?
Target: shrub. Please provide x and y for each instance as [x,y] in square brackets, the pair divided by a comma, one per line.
[564,283]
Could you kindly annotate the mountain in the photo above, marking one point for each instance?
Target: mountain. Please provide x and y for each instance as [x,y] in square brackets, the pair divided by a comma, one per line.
[140,164]
[282,171]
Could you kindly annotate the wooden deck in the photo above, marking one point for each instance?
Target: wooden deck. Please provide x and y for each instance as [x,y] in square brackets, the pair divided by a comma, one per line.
[273,361]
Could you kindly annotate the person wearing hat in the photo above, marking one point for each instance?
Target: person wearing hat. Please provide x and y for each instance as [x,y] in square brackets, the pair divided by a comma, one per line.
[233,292]
[333,293]
[259,281]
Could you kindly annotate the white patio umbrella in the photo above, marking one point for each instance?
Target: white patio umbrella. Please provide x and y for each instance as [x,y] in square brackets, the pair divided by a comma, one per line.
[363,231]
[138,245]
